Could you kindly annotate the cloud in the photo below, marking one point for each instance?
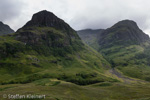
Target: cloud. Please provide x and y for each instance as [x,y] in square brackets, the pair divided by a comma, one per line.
[105,13]
[80,14]
[10,10]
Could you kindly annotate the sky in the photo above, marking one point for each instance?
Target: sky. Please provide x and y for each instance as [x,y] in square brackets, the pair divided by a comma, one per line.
[79,14]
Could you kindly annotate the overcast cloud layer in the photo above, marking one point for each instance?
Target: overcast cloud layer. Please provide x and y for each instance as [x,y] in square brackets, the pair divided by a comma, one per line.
[80,14]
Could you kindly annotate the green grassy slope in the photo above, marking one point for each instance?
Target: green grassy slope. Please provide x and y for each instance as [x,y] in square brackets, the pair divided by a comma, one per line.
[130,60]
[25,62]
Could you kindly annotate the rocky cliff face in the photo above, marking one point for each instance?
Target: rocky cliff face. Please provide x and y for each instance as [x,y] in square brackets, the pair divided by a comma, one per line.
[5,29]
[124,32]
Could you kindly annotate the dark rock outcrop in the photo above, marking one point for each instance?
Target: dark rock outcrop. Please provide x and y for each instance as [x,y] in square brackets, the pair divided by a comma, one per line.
[5,29]
[47,19]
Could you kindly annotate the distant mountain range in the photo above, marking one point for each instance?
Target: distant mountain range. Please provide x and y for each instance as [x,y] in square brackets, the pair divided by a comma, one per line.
[5,29]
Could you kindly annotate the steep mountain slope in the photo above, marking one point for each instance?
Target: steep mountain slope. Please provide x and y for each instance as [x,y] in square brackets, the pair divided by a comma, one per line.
[47,47]
[126,47]
[5,29]
[90,37]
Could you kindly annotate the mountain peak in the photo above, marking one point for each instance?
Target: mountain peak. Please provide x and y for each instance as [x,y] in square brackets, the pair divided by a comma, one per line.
[46,19]
[47,29]
[123,32]
[127,23]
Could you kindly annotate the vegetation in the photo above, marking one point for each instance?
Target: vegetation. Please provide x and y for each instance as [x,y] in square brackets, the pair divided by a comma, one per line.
[130,60]
[24,61]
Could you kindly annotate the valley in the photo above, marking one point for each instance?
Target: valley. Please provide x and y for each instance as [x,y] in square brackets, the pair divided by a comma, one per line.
[47,57]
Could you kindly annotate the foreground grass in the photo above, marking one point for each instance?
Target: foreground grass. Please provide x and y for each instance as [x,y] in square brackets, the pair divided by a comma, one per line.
[60,90]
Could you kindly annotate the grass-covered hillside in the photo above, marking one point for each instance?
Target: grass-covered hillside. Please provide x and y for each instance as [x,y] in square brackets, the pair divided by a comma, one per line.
[36,52]
[22,64]
[130,60]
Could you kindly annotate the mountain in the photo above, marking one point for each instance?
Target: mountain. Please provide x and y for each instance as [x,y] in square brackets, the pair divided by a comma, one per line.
[47,47]
[126,47]
[5,29]
[123,33]
[90,37]
[47,31]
